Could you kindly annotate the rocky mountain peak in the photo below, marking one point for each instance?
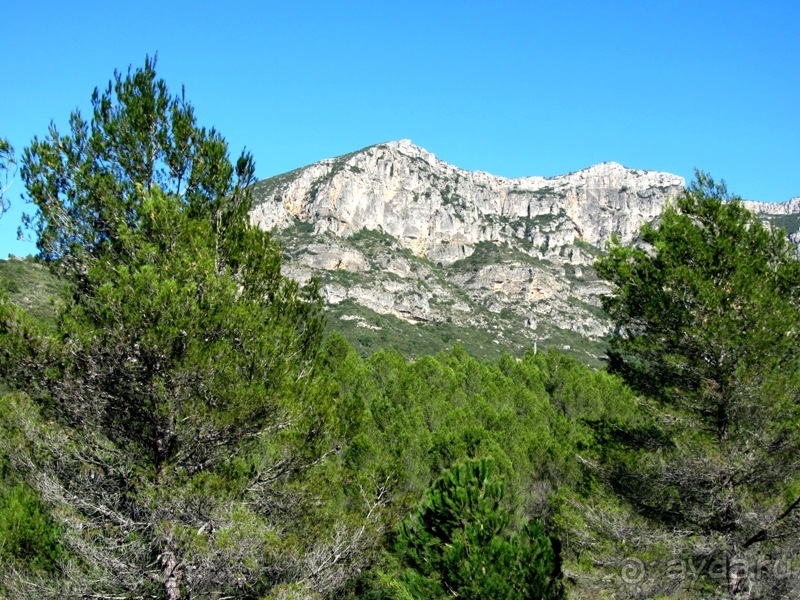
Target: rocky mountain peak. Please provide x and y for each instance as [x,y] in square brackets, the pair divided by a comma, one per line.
[440,211]
[392,232]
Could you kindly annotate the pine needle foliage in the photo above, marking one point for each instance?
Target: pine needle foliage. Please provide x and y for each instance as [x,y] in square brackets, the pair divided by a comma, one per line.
[458,543]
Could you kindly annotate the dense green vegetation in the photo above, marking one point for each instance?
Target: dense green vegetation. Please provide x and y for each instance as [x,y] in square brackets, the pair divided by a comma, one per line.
[791,223]
[178,424]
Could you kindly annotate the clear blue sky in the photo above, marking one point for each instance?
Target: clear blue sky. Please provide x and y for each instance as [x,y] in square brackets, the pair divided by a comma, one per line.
[513,88]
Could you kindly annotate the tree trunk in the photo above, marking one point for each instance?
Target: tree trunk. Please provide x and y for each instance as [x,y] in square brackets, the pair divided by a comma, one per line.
[737,573]
[171,570]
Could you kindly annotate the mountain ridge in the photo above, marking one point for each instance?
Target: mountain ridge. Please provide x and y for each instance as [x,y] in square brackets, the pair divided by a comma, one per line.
[391,231]
[427,203]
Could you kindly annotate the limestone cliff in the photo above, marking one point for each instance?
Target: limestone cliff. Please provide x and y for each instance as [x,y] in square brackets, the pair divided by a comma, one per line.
[392,230]
[441,212]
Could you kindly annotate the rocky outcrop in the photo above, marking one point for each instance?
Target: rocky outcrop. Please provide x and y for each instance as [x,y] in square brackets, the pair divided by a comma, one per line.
[792,207]
[785,214]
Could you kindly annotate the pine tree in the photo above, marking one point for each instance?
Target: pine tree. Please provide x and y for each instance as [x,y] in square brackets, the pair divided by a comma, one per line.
[172,399]
[458,543]
[707,330]
[89,185]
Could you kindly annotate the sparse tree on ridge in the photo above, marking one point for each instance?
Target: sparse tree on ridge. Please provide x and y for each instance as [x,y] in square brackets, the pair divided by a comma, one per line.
[8,167]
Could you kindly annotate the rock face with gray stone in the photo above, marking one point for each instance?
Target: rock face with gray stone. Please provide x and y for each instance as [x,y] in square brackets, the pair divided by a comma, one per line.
[442,212]
[397,231]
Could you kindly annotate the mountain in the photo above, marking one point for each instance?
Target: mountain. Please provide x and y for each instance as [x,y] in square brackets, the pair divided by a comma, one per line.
[416,253]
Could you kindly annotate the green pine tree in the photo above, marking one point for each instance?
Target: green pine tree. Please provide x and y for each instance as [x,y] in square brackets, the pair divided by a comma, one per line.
[171,404]
[458,543]
[707,330]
